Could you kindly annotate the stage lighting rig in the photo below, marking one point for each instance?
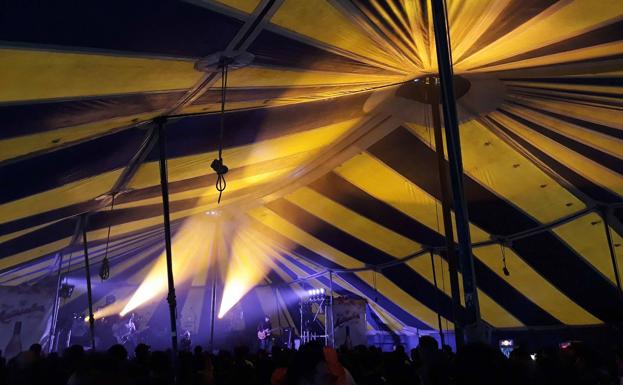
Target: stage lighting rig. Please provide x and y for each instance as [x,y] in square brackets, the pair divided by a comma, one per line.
[316,295]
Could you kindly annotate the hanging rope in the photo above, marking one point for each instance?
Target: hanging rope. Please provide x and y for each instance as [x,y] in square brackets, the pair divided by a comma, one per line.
[65,283]
[217,164]
[504,268]
[104,272]
[376,292]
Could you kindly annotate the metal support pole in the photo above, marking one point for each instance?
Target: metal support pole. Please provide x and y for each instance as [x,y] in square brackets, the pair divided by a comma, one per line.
[331,309]
[615,265]
[446,214]
[442,43]
[88,275]
[164,185]
[301,334]
[57,302]
[213,307]
[432,262]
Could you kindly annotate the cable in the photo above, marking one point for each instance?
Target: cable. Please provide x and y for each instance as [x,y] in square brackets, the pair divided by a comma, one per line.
[504,268]
[376,292]
[443,287]
[217,164]
[71,254]
[104,272]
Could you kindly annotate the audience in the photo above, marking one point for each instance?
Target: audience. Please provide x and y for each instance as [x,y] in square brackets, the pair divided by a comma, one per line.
[314,364]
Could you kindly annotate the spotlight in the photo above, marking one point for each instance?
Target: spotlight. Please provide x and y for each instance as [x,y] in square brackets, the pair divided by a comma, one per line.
[506,343]
[322,291]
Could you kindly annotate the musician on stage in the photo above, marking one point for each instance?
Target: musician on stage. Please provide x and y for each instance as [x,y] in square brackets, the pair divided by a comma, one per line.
[264,330]
[185,342]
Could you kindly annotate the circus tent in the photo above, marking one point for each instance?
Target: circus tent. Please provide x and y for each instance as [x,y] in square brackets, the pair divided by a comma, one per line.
[332,159]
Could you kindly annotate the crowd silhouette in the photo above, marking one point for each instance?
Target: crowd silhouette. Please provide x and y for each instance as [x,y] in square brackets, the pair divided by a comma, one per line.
[314,364]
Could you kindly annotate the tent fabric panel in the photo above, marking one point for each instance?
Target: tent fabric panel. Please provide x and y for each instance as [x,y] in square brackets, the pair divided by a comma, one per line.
[144,27]
[29,119]
[605,34]
[67,75]
[315,251]
[501,169]
[75,164]
[196,165]
[377,180]
[568,113]
[339,289]
[327,25]
[386,241]
[274,50]
[358,285]
[587,236]
[69,194]
[255,76]
[22,147]
[200,134]
[481,202]
[53,232]
[552,202]
[546,28]
[534,286]
[606,153]
[589,168]
[501,22]
[240,182]
[579,181]
[265,97]
[400,276]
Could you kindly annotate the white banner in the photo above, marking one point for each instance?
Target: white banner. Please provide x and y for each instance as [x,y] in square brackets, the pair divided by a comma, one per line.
[350,321]
[25,313]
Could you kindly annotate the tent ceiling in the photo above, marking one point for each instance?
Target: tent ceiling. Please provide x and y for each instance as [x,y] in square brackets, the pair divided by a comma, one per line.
[331,158]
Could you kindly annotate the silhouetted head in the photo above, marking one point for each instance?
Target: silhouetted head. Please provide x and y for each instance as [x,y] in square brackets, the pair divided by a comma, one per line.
[141,351]
[118,352]
[36,349]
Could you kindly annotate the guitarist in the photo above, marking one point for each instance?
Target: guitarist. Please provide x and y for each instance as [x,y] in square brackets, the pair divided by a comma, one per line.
[264,330]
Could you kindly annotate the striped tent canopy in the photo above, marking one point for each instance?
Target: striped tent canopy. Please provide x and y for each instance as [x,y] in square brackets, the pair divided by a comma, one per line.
[332,159]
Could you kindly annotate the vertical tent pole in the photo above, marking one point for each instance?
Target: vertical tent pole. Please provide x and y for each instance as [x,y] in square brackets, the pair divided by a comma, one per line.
[164,185]
[446,199]
[88,275]
[613,256]
[213,307]
[441,337]
[472,323]
[301,334]
[331,308]
[57,302]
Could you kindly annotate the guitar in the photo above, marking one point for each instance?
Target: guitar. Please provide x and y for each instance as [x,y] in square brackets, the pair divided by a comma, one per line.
[263,334]
[341,321]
